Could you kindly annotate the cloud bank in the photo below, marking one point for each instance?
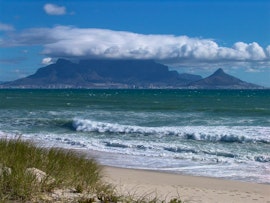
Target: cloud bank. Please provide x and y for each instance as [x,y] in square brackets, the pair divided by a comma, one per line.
[52,9]
[72,42]
[6,27]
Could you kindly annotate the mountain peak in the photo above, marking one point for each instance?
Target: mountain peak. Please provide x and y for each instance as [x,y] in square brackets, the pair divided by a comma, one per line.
[221,80]
[219,72]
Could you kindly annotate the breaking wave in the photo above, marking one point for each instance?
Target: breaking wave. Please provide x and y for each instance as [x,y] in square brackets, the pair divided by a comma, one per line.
[229,134]
[262,159]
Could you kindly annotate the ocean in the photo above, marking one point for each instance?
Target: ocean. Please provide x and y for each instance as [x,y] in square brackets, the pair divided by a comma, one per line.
[213,133]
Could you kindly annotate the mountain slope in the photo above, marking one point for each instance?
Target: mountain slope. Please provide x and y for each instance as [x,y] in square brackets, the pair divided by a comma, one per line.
[222,80]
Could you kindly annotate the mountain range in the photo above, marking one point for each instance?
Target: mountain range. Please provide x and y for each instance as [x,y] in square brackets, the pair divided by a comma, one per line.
[99,73]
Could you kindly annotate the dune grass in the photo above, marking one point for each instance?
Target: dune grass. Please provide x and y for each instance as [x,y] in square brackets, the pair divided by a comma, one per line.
[63,169]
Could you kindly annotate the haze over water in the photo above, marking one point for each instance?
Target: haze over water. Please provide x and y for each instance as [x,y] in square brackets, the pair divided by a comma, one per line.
[216,133]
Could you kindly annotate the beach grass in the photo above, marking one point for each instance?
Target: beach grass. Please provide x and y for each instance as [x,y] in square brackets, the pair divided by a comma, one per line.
[62,169]
[30,174]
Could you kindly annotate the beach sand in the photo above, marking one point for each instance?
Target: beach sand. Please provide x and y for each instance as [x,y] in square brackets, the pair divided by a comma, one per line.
[189,188]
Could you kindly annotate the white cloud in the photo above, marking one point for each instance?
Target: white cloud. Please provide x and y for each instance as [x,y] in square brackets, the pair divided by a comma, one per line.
[251,51]
[47,61]
[52,9]
[268,51]
[72,42]
[6,27]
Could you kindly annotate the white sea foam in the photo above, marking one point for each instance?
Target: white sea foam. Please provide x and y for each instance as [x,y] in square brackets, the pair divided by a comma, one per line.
[177,157]
[209,133]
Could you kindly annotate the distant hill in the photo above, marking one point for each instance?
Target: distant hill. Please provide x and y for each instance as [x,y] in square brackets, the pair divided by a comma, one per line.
[100,73]
[222,80]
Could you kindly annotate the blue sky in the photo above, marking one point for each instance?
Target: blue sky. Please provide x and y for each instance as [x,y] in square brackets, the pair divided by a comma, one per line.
[194,36]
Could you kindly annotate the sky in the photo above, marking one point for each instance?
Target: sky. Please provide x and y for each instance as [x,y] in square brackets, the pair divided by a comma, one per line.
[191,36]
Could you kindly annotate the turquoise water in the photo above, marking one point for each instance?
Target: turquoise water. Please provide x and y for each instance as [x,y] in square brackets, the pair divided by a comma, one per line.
[217,133]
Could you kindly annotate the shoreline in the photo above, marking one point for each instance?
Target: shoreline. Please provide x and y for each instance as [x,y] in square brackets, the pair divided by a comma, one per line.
[163,185]
[107,159]
[188,188]
[166,185]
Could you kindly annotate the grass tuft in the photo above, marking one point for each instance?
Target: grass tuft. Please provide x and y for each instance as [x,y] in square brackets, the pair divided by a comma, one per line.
[62,168]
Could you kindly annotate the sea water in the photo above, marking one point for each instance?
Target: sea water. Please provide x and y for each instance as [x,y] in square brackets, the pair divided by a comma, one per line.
[215,133]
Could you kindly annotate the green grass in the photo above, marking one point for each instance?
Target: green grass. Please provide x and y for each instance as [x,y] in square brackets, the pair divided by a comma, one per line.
[64,170]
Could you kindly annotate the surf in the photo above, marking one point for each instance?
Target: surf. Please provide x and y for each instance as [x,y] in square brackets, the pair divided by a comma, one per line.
[230,134]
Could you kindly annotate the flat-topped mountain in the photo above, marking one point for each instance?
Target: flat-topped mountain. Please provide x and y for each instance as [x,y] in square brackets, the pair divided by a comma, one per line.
[105,73]
[99,73]
[222,80]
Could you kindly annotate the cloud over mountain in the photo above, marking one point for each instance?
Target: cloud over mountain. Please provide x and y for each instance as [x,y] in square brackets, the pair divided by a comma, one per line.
[85,43]
[47,61]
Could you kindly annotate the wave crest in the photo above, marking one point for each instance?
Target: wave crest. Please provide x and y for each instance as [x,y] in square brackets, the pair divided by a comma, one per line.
[230,134]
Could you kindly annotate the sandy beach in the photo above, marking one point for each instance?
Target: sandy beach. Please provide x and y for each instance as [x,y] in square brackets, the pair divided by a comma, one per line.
[189,188]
